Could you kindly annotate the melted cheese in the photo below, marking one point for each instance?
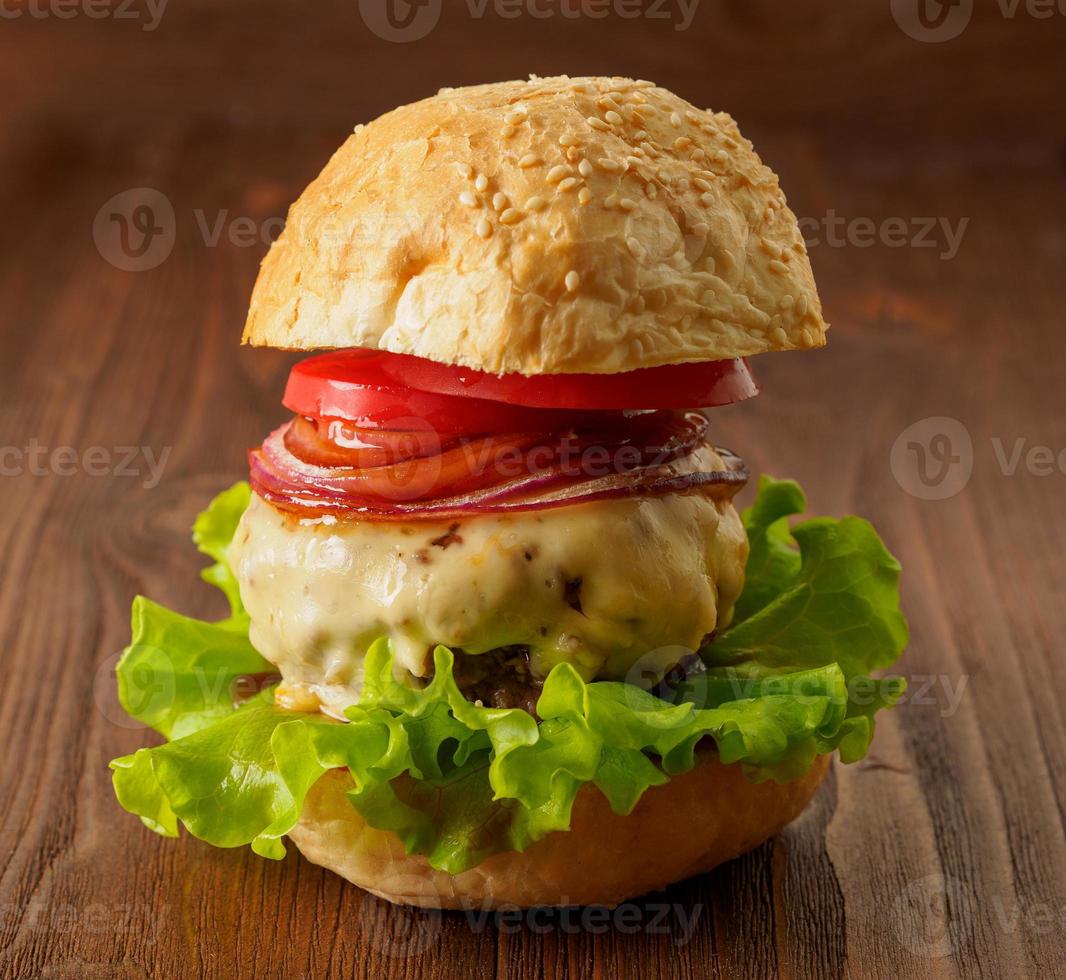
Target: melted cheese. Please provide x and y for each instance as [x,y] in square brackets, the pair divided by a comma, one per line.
[621,589]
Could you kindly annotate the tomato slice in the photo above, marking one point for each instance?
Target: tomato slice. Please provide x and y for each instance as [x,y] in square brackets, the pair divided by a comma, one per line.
[378,389]
[354,386]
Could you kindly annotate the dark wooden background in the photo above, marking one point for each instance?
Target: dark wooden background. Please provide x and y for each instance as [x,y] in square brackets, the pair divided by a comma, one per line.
[942,855]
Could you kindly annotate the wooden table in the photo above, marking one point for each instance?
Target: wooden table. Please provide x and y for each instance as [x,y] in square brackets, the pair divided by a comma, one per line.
[943,854]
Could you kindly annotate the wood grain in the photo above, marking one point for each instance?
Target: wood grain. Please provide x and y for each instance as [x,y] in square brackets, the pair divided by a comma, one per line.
[941,855]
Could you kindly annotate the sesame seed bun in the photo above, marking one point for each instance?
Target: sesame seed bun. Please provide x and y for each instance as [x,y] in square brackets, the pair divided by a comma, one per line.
[685,827]
[552,226]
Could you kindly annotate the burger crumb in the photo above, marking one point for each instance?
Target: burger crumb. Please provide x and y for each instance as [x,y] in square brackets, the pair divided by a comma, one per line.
[448,538]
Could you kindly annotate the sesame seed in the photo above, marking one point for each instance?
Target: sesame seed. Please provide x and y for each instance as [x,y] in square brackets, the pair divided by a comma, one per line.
[706,200]
[691,116]
[702,184]
[557,173]
[568,183]
[682,143]
[359,127]
[536,204]
[611,166]
[709,264]
[584,168]
[468,199]
[675,119]
[612,117]
[597,123]
[529,160]
[627,204]
[484,229]
[683,184]
[776,265]
[807,337]
[721,156]
[572,281]
[802,306]
[640,136]
[787,301]
[584,195]
[651,190]
[568,139]
[635,248]
[508,131]
[698,153]
[573,154]
[499,201]
[511,216]
[701,228]
[778,336]
[633,162]
[481,183]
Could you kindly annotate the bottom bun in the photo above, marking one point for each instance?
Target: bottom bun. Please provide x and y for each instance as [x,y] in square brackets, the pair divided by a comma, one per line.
[687,826]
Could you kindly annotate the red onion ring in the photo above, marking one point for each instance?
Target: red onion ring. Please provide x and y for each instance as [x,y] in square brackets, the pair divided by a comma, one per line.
[670,459]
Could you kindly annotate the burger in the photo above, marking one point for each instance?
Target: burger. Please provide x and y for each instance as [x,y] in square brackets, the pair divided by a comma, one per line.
[497,631]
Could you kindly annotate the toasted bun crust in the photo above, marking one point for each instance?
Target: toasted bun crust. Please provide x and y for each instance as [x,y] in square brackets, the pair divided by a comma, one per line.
[686,827]
[552,226]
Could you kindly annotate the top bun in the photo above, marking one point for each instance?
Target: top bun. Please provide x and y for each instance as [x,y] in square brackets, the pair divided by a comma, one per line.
[552,226]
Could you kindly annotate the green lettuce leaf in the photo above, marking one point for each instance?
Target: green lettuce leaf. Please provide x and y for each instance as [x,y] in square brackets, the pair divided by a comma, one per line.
[212,534]
[457,781]
[180,674]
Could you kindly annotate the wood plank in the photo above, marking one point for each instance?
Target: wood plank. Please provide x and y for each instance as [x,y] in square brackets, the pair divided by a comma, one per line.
[941,855]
